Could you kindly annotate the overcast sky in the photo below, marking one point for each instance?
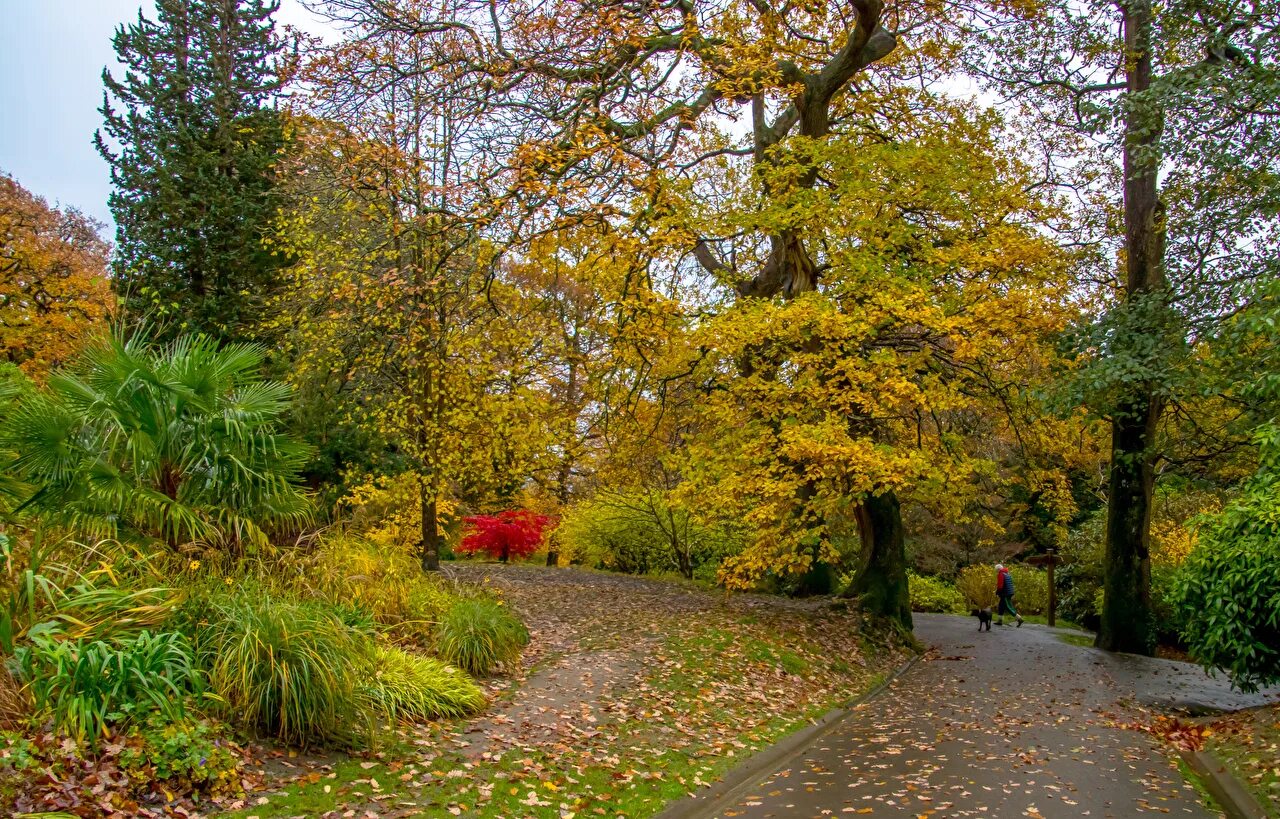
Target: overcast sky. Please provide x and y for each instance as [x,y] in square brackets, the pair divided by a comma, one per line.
[52,53]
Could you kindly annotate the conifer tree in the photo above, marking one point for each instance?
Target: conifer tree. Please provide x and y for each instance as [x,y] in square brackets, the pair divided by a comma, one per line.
[192,137]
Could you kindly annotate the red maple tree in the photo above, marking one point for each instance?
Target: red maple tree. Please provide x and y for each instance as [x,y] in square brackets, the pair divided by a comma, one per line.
[511,533]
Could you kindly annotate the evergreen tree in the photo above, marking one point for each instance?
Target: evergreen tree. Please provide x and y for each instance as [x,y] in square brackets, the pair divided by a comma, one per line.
[192,137]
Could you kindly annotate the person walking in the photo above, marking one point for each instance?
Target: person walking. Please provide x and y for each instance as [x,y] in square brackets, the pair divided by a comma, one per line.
[1004,593]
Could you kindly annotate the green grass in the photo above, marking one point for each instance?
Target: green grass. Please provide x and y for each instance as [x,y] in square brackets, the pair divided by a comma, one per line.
[1192,777]
[528,784]
[1082,639]
[479,634]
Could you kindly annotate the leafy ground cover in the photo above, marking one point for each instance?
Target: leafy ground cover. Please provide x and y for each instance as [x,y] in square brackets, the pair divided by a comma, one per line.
[1249,742]
[632,692]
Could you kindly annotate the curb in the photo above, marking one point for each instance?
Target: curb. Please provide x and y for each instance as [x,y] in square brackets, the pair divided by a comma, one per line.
[740,779]
[1232,796]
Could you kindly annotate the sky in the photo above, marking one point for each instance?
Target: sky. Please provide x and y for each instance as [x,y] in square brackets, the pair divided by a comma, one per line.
[52,53]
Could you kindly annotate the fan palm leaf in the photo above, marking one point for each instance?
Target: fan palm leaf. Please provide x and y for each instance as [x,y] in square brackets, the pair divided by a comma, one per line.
[175,442]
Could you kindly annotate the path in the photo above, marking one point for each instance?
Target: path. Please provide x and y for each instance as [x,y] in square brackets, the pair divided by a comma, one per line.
[599,654]
[1010,723]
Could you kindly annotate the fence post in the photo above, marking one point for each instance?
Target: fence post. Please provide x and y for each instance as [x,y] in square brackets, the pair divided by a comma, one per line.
[1053,591]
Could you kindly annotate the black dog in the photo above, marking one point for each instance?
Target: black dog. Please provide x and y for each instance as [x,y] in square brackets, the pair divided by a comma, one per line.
[984,618]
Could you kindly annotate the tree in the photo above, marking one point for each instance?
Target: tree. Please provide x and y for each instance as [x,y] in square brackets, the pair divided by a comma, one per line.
[590,125]
[176,442]
[192,141]
[396,307]
[1116,78]
[510,533]
[53,280]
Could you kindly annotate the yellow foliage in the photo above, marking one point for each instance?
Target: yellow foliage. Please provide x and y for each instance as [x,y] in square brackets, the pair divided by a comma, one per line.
[384,580]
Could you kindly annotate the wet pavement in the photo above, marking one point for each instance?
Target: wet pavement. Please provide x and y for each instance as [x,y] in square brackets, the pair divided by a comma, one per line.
[1014,722]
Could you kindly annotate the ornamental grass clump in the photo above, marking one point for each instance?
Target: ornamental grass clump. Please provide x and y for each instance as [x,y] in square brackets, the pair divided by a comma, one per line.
[479,634]
[285,668]
[406,687]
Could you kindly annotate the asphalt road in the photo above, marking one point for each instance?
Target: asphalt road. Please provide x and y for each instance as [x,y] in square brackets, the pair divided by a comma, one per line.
[1014,722]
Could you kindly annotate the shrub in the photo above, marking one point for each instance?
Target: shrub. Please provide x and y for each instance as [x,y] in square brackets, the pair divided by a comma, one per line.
[1031,588]
[85,686]
[477,635]
[410,687]
[1229,588]
[176,442]
[187,755]
[638,533]
[286,668]
[977,584]
[382,580]
[511,533]
[932,594]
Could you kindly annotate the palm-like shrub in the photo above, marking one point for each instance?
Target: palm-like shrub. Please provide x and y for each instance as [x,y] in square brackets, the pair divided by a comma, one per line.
[176,442]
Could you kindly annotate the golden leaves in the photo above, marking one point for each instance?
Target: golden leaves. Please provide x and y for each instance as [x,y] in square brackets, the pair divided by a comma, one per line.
[53,280]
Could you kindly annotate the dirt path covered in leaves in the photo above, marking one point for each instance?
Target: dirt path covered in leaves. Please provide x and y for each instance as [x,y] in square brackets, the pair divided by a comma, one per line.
[604,646]
[1010,723]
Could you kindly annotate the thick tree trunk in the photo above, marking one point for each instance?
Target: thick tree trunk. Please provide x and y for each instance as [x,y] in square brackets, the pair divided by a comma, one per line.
[880,585]
[1126,612]
[430,544]
[1126,623]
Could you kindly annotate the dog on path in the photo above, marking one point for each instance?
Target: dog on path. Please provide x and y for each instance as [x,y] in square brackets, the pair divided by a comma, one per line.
[984,618]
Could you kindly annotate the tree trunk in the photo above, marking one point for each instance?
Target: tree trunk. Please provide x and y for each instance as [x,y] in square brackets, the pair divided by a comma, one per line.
[1126,623]
[880,585]
[430,545]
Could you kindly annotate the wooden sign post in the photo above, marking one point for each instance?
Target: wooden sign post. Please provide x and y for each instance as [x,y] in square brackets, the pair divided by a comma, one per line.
[1049,560]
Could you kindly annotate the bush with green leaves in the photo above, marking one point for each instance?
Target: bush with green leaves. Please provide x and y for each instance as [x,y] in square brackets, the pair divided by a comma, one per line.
[82,686]
[406,687]
[479,634]
[1228,590]
[187,754]
[283,667]
[935,595]
[176,442]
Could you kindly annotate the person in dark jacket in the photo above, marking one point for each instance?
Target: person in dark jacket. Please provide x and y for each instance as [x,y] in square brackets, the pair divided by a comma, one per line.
[1004,593]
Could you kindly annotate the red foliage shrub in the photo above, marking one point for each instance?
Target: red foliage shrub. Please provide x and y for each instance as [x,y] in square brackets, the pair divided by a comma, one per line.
[513,533]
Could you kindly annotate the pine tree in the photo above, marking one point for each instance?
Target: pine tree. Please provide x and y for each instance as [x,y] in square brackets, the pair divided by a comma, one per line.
[192,138]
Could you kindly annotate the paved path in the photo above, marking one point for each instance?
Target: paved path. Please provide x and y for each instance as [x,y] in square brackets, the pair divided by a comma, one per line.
[1010,723]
